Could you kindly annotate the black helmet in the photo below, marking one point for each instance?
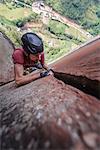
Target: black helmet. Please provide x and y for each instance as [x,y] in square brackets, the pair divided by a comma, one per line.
[32,43]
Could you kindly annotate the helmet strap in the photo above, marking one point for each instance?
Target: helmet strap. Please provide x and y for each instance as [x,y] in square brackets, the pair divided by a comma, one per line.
[26,54]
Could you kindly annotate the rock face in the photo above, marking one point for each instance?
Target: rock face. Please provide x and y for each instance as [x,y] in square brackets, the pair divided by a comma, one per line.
[50,114]
[6,64]
[81,68]
[83,62]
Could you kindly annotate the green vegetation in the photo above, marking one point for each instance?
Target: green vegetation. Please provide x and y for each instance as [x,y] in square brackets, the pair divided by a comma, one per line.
[58,38]
[9,21]
[29,2]
[12,13]
[83,12]
[61,48]
[65,32]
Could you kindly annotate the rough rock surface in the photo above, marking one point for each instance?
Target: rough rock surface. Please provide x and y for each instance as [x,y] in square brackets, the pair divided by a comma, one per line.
[81,68]
[83,62]
[6,64]
[49,114]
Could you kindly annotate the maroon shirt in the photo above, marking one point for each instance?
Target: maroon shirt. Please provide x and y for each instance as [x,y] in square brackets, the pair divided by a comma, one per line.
[19,57]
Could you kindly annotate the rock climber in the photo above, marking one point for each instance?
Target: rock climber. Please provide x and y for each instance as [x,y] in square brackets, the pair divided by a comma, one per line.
[29,61]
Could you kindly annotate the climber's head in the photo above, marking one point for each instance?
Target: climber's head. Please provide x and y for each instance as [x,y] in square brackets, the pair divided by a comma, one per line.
[32,43]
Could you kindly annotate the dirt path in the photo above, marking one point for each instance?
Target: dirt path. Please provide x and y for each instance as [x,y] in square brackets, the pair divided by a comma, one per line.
[47,11]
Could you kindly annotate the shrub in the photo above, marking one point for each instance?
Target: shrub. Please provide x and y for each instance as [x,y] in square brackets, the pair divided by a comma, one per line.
[56,27]
[98,14]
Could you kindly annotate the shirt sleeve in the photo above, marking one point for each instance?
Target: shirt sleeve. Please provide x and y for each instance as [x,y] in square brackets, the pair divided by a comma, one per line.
[18,57]
[42,58]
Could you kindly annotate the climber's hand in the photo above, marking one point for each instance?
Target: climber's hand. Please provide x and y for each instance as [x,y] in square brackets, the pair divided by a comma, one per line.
[50,72]
[46,73]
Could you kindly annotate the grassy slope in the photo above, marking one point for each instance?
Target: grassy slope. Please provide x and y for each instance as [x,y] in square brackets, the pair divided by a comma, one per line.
[54,45]
[13,14]
[91,13]
[88,16]
[92,18]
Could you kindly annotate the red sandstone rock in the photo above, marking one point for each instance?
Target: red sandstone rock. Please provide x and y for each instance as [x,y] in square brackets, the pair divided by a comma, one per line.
[49,114]
[81,68]
[85,61]
[6,64]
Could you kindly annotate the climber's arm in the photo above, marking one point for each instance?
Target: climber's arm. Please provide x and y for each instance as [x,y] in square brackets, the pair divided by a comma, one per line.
[21,79]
